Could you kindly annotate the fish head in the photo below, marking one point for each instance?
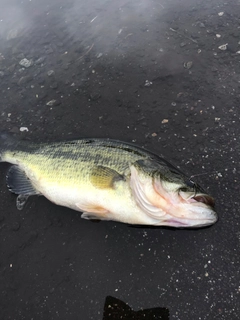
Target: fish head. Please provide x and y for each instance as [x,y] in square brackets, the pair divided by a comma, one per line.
[169,198]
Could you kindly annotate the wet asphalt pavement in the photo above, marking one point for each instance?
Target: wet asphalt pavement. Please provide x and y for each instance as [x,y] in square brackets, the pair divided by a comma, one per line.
[161,74]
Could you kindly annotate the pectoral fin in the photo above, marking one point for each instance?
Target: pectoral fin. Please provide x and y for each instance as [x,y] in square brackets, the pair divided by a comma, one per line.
[91,211]
[104,177]
[92,216]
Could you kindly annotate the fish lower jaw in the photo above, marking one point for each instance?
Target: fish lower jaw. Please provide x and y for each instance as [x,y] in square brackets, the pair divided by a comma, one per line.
[175,223]
[183,217]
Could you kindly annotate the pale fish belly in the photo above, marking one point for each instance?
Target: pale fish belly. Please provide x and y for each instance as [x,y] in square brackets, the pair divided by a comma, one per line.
[103,204]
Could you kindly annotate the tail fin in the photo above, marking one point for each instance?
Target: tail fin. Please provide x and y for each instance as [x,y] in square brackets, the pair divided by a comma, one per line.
[7,142]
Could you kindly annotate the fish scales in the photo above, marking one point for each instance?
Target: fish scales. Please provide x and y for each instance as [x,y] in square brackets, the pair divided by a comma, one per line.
[71,163]
[108,154]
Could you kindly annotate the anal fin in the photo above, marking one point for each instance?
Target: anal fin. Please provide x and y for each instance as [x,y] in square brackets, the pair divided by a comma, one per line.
[19,183]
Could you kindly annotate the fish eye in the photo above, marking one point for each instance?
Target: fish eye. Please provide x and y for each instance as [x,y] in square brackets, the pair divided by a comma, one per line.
[189,186]
[183,189]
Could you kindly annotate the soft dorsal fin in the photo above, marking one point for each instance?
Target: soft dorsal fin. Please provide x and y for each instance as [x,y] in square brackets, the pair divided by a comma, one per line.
[104,177]
[18,182]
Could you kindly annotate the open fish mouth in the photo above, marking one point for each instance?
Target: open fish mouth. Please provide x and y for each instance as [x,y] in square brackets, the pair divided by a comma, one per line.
[194,212]
[204,198]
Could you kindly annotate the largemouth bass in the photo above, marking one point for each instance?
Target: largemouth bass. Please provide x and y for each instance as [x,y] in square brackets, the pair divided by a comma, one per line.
[106,180]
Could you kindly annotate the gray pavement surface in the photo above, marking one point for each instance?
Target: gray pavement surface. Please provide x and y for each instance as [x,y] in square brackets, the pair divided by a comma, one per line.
[162,74]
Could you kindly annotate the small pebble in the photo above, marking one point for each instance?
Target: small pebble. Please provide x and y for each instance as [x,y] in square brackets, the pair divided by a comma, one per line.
[188,65]
[23,129]
[223,47]
[50,73]
[147,83]
[165,121]
[26,63]
[51,103]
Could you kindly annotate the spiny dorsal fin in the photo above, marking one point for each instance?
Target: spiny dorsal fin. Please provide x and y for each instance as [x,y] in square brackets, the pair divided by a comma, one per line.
[104,177]
[18,182]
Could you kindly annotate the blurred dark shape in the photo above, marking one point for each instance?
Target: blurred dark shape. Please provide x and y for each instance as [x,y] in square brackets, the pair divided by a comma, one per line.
[115,309]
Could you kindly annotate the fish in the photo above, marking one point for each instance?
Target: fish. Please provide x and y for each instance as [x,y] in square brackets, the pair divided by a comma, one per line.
[106,180]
